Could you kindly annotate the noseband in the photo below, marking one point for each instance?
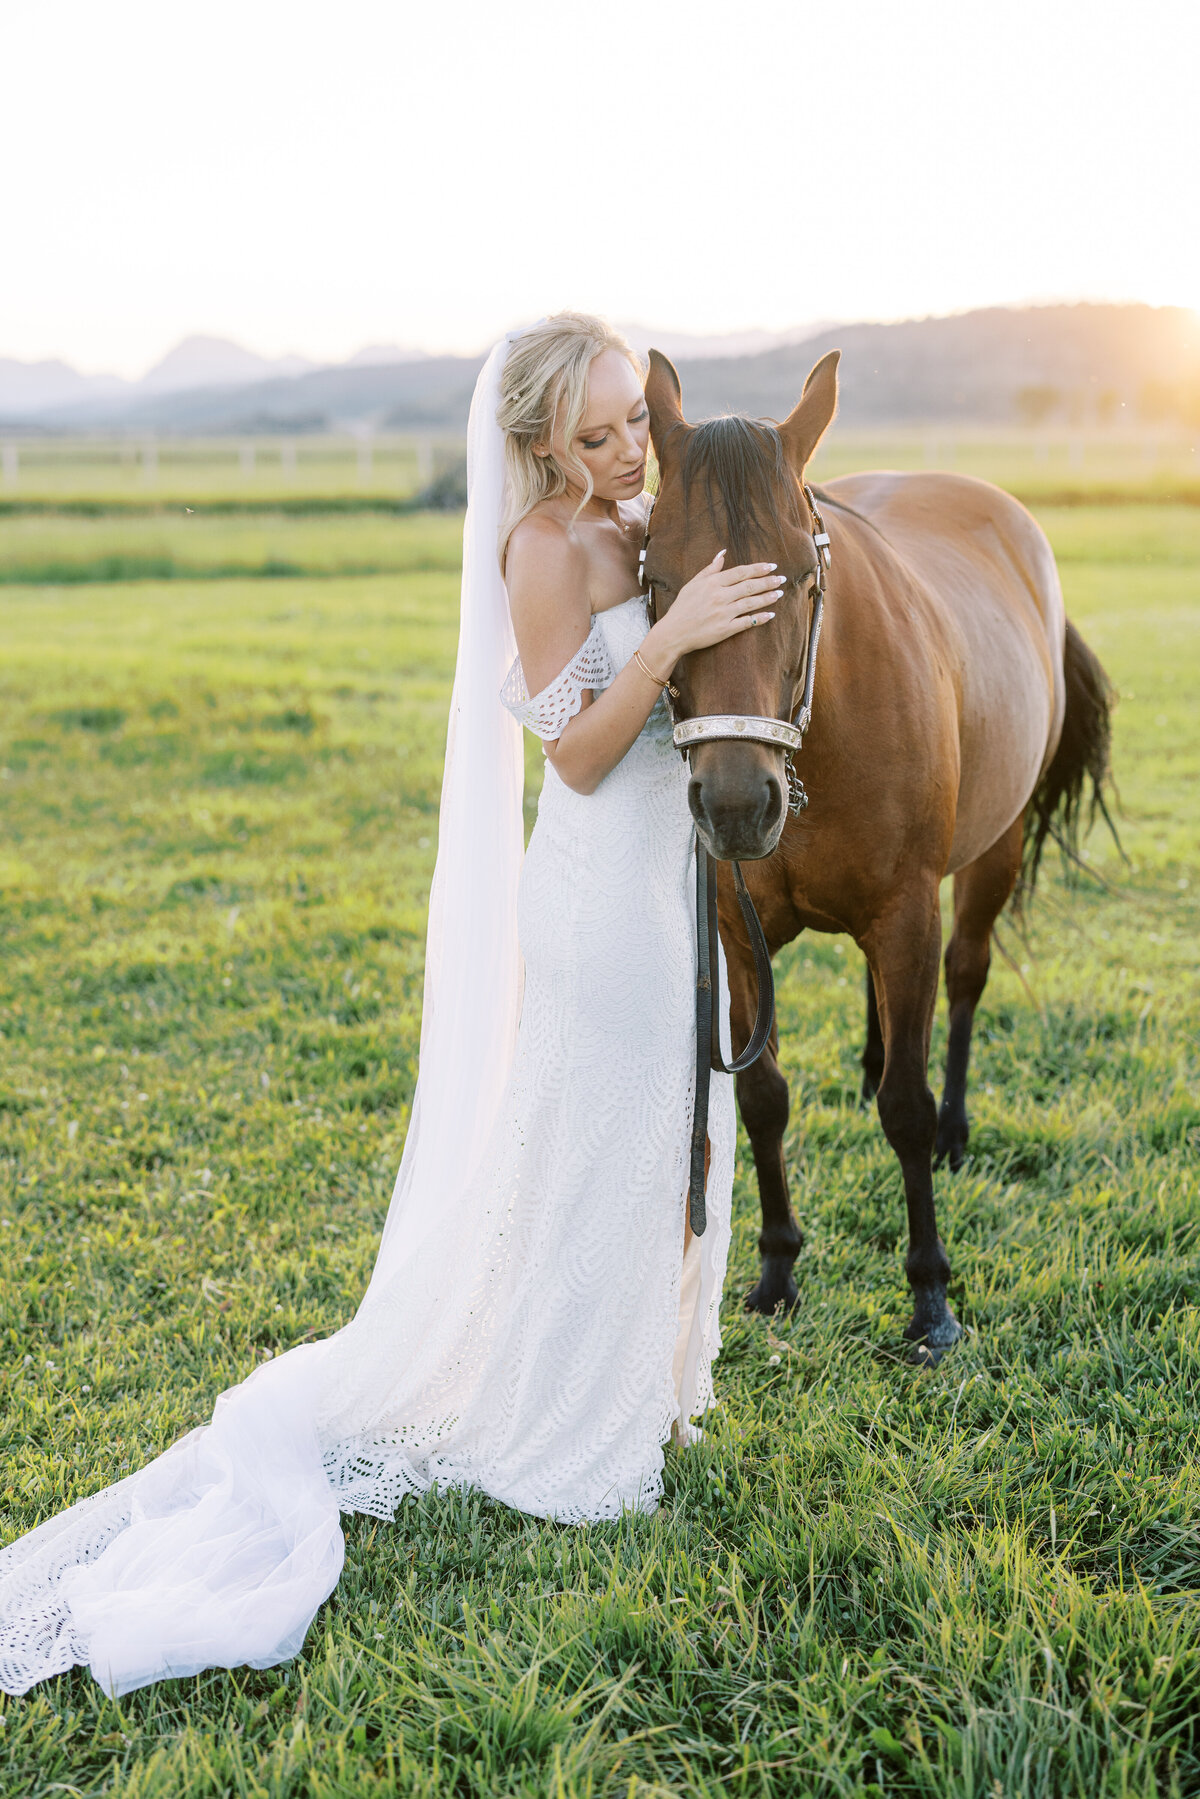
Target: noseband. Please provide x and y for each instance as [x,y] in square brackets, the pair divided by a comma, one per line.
[710,728]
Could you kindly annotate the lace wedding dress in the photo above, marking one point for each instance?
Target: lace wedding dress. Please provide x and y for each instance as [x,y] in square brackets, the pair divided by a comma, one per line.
[544,1357]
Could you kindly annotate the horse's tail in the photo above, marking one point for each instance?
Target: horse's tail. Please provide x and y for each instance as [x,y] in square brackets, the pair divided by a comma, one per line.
[1060,806]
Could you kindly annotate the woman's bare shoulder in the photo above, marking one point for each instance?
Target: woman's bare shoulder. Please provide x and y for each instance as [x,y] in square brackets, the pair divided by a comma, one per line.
[544,557]
[547,523]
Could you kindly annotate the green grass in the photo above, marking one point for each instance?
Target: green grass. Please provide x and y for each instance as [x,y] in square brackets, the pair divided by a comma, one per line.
[322,471]
[218,800]
[1043,467]
[50,550]
[143,471]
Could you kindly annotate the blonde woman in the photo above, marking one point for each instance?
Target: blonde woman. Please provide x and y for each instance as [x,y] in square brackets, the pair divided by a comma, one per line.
[537,1324]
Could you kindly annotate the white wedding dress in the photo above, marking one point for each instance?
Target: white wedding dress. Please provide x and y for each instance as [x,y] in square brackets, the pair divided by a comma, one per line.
[544,1357]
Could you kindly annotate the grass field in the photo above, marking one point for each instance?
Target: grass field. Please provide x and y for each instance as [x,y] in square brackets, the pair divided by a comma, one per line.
[218,809]
[138,474]
[140,471]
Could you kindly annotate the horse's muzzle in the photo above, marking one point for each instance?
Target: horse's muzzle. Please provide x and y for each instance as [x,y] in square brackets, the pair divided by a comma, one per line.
[738,798]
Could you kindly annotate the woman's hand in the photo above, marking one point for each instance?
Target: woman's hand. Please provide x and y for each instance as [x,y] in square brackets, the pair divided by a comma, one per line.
[719,602]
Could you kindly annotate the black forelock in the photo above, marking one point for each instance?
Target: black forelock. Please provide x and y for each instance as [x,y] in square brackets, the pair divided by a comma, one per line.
[745,474]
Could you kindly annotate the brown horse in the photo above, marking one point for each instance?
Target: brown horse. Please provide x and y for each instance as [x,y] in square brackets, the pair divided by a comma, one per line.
[955,716]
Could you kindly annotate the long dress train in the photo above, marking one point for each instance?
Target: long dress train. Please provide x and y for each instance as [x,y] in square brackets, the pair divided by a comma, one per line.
[543,1360]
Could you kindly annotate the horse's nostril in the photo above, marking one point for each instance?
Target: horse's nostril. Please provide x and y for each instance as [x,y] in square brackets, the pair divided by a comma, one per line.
[730,823]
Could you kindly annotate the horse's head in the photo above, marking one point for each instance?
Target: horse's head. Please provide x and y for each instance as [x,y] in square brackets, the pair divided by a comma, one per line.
[737,484]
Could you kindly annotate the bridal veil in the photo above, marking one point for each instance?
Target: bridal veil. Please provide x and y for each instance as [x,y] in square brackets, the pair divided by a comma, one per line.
[221,1551]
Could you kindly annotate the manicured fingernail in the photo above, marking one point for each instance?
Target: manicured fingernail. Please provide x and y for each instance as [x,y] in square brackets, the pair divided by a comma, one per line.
[771,565]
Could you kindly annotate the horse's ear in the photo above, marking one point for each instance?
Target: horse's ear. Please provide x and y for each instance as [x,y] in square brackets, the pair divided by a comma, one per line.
[664,398]
[813,412]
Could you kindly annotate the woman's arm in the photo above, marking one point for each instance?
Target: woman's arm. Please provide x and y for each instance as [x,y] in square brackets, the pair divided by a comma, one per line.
[547,577]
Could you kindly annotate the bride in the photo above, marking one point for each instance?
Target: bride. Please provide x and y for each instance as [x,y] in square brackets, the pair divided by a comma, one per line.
[540,1321]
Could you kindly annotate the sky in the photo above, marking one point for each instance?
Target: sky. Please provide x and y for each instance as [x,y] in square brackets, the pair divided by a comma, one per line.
[317,178]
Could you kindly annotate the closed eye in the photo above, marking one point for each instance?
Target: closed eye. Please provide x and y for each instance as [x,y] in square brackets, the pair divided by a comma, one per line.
[598,443]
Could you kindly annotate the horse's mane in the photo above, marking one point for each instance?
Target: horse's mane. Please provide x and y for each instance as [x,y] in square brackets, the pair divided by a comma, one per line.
[745,473]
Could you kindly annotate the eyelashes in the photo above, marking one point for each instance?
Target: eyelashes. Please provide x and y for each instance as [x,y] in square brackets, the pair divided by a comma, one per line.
[600,442]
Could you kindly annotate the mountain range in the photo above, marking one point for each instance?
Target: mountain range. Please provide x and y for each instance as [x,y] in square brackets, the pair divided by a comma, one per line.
[1082,364]
[32,389]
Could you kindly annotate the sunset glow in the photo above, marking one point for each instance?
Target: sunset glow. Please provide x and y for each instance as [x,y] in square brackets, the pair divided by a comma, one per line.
[316,179]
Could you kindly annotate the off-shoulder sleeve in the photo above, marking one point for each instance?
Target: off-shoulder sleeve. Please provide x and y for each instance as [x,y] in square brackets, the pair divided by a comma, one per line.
[547,712]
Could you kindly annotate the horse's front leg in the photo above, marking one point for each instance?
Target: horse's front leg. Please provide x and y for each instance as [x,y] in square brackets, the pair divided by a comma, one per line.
[902,947]
[762,1092]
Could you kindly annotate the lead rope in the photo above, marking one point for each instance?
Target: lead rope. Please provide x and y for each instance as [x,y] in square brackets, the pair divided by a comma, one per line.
[709,1055]
[708,1044]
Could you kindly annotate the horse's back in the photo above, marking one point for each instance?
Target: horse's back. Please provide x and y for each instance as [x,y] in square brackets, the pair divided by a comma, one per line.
[989,576]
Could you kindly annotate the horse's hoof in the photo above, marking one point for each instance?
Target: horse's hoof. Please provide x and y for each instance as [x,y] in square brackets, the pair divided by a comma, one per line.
[951,1143]
[770,1292]
[929,1348]
[955,1154]
[934,1328]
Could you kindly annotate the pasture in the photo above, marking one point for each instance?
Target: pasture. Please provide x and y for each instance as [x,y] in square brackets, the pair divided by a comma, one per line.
[220,751]
[333,472]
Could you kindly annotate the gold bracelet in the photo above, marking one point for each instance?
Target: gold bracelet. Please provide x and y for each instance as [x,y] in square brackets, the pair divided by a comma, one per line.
[646,669]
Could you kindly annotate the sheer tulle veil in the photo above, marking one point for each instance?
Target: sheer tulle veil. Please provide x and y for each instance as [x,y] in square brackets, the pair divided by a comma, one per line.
[473,970]
[220,1552]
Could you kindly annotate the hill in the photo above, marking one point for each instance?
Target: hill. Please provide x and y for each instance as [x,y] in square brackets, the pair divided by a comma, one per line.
[1081,364]
[1078,364]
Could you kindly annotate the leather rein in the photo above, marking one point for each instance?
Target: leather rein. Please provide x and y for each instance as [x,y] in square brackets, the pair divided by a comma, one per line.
[709,728]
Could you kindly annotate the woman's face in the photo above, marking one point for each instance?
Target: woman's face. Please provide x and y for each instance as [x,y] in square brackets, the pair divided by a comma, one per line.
[614,431]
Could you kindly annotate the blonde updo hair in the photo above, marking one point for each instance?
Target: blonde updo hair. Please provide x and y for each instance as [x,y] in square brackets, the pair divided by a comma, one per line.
[544,384]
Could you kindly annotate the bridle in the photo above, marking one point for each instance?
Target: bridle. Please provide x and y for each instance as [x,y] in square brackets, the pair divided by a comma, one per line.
[750,727]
